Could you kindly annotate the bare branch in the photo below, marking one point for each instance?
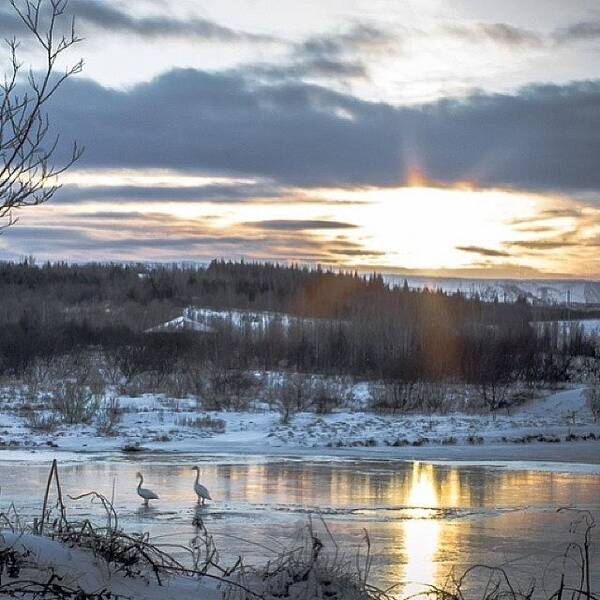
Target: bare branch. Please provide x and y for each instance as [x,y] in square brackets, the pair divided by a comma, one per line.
[28,174]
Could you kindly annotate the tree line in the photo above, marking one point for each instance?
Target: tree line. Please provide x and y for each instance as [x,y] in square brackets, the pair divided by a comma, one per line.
[346,323]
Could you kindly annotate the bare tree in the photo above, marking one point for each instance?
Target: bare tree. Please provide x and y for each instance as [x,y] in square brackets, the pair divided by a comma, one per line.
[28,175]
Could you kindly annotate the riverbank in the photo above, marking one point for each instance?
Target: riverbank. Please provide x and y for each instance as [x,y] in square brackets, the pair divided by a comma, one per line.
[558,428]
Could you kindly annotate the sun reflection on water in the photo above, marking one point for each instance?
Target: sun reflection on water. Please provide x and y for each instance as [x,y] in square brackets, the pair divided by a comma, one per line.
[422,531]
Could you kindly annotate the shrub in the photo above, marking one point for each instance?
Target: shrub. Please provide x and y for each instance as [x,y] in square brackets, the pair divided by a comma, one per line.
[394,398]
[109,416]
[205,422]
[292,395]
[42,421]
[592,395]
[176,385]
[325,398]
[286,405]
[227,389]
[75,403]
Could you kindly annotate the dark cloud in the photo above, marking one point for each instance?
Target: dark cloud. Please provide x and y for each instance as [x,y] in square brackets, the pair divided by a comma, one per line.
[545,136]
[72,194]
[536,229]
[355,252]
[67,240]
[548,244]
[315,67]
[120,214]
[583,31]
[298,225]
[554,213]
[101,14]
[135,235]
[361,37]
[500,33]
[10,24]
[482,251]
[518,37]
[342,55]
[548,215]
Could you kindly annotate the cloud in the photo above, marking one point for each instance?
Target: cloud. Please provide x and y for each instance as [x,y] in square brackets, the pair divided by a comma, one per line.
[294,133]
[343,55]
[103,15]
[312,68]
[361,37]
[355,252]
[500,33]
[550,214]
[518,37]
[109,18]
[298,225]
[10,24]
[547,244]
[482,251]
[74,194]
[582,31]
[136,235]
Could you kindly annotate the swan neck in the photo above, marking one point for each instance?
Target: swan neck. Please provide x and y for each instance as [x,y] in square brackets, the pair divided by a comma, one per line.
[197,476]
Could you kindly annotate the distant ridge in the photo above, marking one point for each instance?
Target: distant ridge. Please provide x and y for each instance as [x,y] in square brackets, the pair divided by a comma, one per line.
[542,291]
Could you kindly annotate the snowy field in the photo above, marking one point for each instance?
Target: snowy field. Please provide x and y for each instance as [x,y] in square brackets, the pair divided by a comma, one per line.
[208,320]
[156,422]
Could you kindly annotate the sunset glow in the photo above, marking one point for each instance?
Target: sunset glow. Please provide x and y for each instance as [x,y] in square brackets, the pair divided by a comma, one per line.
[421,227]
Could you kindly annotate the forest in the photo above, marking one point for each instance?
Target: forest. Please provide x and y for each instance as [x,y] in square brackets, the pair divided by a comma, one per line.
[346,323]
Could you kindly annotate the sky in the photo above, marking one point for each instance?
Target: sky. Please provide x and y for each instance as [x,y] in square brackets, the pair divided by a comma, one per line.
[425,136]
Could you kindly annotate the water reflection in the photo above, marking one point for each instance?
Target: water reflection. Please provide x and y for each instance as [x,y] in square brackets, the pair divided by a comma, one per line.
[422,531]
[422,519]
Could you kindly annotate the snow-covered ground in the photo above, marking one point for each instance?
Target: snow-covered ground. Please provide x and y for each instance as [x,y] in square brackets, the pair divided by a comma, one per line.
[42,567]
[156,422]
[41,558]
[208,320]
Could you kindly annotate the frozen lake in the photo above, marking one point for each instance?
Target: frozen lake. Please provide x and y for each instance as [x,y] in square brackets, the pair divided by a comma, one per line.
[422,518]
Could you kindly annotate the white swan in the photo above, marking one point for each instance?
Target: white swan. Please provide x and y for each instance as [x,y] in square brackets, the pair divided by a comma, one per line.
[200,490]
[145,493]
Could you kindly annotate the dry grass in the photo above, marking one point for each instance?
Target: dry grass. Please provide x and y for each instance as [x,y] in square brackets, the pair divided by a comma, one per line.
[205,422]
[314,566]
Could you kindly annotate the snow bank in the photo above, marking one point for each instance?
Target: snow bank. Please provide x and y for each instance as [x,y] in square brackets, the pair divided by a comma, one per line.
[78,569]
